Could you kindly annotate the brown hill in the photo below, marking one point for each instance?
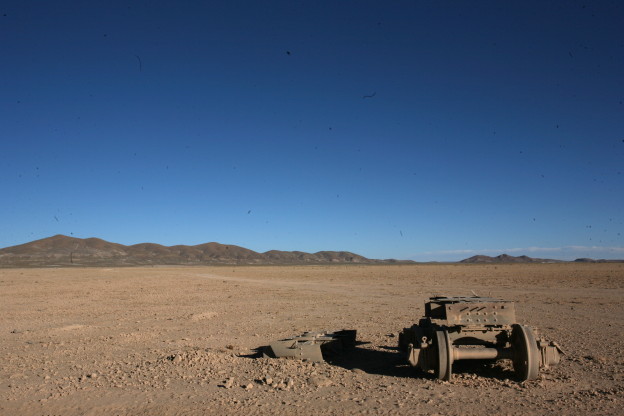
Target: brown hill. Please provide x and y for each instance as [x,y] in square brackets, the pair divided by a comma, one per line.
[588,260]
[61,250]
[505,258]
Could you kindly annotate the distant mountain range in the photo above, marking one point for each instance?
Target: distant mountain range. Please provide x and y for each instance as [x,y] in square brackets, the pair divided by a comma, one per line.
[586,260]
[505,258]
[61,250]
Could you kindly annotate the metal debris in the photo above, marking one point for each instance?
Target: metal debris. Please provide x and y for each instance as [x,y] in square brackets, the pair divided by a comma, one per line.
[475,328]
[312,346]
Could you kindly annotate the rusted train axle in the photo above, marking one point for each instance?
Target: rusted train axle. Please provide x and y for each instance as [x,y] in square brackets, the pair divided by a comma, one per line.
[474,328]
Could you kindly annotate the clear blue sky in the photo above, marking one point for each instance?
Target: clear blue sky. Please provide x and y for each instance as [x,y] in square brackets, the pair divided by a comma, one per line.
[487,127]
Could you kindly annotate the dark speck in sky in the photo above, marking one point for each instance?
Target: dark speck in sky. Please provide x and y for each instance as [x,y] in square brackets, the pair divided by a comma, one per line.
[288,52]
[369,96]
[249,212]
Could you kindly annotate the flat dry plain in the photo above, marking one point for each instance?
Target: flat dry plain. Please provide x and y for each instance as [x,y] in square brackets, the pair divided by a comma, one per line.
[171,340]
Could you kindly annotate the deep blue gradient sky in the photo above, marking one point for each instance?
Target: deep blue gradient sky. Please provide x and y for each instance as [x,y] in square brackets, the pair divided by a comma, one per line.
[492,126]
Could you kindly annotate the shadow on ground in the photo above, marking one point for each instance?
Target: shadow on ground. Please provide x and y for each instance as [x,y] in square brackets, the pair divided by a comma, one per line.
[389,361]
[386,361]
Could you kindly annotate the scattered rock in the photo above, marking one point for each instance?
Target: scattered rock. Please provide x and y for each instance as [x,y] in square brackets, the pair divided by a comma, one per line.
[228,383]
[319,381]
[165,367]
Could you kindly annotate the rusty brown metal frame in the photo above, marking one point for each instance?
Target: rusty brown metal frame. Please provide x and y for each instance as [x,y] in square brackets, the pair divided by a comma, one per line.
[474,328]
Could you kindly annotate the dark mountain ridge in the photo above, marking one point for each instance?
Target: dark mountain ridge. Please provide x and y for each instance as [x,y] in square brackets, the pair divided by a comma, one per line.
[506,258]
[61,250]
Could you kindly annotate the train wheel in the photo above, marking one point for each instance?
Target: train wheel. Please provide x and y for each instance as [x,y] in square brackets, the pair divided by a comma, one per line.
[526,355]
[444,362]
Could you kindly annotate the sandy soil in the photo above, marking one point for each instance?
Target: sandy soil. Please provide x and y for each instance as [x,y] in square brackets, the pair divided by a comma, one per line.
[178,340]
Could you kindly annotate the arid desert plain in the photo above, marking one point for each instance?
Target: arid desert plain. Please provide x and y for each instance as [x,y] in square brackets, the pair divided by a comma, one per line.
[181,340]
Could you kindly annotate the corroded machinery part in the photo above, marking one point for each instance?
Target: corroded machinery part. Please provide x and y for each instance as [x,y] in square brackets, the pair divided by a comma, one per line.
[444,355]
[474,328]
[550,353]
[437,352]
[472,310]
[525,354]
[312,346]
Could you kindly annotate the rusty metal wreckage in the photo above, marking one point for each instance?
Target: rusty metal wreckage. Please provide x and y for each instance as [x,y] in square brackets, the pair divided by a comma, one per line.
[475,328]
[453,329]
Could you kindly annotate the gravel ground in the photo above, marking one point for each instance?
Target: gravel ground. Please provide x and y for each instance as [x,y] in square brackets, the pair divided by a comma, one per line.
[183,340]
